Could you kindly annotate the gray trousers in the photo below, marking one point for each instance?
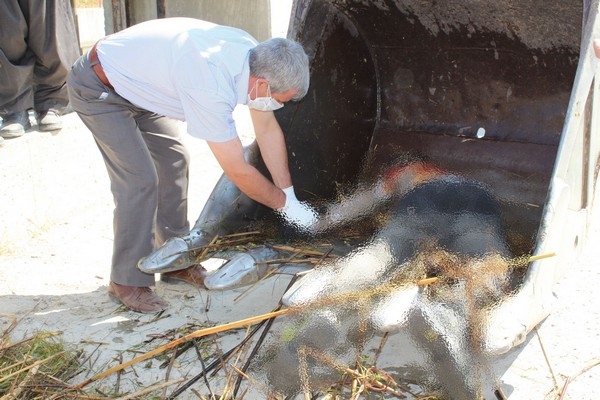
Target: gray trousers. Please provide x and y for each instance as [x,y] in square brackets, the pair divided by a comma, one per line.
[38,45]
[148,168]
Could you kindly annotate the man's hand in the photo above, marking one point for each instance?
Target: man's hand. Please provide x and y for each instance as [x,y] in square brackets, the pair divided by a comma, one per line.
[296,213]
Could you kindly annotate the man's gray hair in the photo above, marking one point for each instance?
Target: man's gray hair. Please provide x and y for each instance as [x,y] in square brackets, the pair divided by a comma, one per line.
[283,63]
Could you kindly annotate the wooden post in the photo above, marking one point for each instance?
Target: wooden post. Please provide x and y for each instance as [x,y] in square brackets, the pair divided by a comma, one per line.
[161,8]
[119,15]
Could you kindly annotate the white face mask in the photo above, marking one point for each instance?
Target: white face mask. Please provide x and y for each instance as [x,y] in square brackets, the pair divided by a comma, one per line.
[263,103]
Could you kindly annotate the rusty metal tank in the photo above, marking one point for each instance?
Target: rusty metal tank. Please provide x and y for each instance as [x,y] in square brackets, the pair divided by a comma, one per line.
[395,75]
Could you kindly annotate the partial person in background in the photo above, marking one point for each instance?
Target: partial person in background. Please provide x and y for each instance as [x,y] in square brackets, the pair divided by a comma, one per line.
[130,89]
[38,45]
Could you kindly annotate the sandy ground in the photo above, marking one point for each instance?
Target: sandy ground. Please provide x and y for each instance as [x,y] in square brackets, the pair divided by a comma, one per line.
[55,249]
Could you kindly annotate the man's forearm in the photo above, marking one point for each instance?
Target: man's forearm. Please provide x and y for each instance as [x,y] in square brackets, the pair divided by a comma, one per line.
[256,186]
[271,143]
[230,156]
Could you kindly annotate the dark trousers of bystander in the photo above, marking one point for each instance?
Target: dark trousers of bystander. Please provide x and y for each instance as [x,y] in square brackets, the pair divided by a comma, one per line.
[38,45]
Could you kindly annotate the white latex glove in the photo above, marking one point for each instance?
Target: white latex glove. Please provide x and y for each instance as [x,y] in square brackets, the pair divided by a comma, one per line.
[297,213]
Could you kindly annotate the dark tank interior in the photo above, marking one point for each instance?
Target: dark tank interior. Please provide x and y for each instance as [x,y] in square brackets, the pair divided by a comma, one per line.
[479,88]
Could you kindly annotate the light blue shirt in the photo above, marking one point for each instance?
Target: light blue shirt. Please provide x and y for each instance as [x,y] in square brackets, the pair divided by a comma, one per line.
[184,68]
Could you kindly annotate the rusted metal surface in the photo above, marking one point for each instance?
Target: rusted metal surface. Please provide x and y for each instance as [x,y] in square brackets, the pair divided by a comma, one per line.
[405,71]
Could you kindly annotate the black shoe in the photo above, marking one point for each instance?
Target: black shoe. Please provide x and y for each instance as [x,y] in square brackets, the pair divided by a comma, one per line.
[15,125]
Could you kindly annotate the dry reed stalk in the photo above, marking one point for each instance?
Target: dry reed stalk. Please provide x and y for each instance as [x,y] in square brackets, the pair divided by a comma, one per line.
[38,377]
[299,251]
[151,389]
[429,281]
[13,366]
[183,339]
[221,242]
[66,396]
[27,368]
[379,350]
[240,372]
[593,363]
[6,333]
[224,241]
[537,333]
[250,233]
[44,335]
[541,256]
[290,261]
[14,395]
[206,248]
[228,390]
[368,378]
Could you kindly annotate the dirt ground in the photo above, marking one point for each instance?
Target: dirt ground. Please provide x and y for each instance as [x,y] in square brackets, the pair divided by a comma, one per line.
[55,249]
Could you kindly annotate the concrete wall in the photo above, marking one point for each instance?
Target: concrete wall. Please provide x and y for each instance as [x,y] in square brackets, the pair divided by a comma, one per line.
[280,17]
[90,26]
[253,16]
